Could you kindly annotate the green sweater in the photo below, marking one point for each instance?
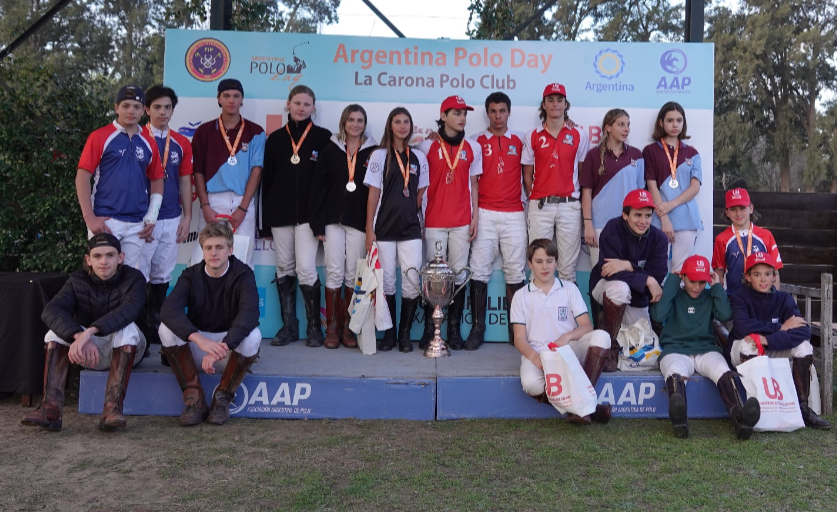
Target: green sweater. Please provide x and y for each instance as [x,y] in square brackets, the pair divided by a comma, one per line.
[688,322]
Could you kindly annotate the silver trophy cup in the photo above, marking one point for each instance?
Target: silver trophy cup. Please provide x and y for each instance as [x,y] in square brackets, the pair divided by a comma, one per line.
[437,288]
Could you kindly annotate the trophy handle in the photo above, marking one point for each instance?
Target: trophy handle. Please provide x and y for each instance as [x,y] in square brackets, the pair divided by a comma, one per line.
[407,277]
[467,279]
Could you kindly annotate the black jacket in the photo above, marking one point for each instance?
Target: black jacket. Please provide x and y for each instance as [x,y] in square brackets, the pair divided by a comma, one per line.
[285,186]
[85,300]
[329,202]
[241,304]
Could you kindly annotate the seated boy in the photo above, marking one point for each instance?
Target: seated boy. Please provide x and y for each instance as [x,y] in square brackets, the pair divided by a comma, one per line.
[221,320]
[549,310]
[107,297]
[689,346]
[632,264]
[763,315]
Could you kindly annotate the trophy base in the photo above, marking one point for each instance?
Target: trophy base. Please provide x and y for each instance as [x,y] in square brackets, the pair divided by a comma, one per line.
[437,347]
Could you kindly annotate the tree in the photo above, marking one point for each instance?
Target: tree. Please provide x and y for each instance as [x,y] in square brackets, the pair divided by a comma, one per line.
[773,61]
[41,228]
[575,20]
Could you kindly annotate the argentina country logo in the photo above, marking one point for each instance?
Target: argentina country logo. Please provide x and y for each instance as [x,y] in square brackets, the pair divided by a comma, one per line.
[609,65]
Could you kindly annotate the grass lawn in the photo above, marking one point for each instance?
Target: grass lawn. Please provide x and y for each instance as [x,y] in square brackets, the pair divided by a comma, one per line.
[404,465]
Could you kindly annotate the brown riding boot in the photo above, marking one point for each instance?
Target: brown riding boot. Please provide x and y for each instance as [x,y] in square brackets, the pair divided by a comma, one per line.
[801,367]
[333,304]
[185,370]
[612,319]
[593,366]
[50,413]
[347,336]
[237,366]
[121,363]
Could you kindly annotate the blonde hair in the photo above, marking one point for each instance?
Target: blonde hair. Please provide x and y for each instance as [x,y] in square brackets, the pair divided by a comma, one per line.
[609,118]
[344,118]
[219,229]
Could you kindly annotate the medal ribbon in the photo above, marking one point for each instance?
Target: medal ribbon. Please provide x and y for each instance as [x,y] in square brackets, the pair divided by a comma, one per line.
[749,240]
[351,162]
[165,151]
[405,172]
[234,147]
[301,139]
[455,161]
[672,162]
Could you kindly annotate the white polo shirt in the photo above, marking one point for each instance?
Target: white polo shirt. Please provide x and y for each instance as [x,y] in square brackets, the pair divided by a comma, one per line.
[547,316]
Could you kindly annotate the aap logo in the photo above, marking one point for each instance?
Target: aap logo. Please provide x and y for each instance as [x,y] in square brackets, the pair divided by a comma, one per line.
[609,64]
[674,63]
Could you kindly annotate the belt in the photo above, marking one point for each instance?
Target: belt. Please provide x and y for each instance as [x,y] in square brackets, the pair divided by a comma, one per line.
[554,200]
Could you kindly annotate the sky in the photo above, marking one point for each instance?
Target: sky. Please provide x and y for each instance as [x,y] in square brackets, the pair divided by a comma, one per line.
[434,19]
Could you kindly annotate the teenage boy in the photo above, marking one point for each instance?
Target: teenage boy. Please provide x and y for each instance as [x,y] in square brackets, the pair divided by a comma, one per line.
[91,323]
[502,222]
[215,307]
[228,157]
[689,345]
[122,158]
[632,264]
[159,256]
[550,310]
[451,212]
[734,245]
[763,316]
[552,159]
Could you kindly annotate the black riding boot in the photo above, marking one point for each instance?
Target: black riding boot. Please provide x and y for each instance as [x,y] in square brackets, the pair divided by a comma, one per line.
[314,330]
[479,302]
[286,286]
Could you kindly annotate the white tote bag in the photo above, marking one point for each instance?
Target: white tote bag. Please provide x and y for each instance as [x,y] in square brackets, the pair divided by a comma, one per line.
[567,386]
[361,310]
[770,381]
[640,347]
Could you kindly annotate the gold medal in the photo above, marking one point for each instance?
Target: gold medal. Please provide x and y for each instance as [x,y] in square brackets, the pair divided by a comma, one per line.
[295,146]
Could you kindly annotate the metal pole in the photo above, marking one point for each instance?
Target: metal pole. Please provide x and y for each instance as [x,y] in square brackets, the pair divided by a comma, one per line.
[220,15]
[34,28]
[694,21]
[383,18]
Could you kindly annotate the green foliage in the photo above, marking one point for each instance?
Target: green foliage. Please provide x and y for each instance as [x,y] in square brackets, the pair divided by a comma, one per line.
[576,20]
[47,119]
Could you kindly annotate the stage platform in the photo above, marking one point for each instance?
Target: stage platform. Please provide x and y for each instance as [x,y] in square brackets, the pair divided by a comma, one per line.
[297,382]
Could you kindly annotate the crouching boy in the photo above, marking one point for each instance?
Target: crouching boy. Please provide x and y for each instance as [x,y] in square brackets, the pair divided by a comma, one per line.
[107,297]
[549,310]
[632,264]
[761,314]
[689,346]
[220,322]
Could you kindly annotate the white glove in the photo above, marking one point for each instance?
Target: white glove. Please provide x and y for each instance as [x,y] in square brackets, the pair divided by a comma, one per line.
[154,203]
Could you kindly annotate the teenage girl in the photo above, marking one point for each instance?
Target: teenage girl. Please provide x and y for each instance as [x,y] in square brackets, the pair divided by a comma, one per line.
[397,177]
[673,175]
[291,155]
[337,213]
[610,171]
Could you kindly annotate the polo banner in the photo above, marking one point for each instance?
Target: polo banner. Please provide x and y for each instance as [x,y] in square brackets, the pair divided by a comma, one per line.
[383,73]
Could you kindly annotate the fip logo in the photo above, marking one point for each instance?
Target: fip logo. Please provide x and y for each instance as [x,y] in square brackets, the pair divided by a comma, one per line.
[674,62]
[207,59]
